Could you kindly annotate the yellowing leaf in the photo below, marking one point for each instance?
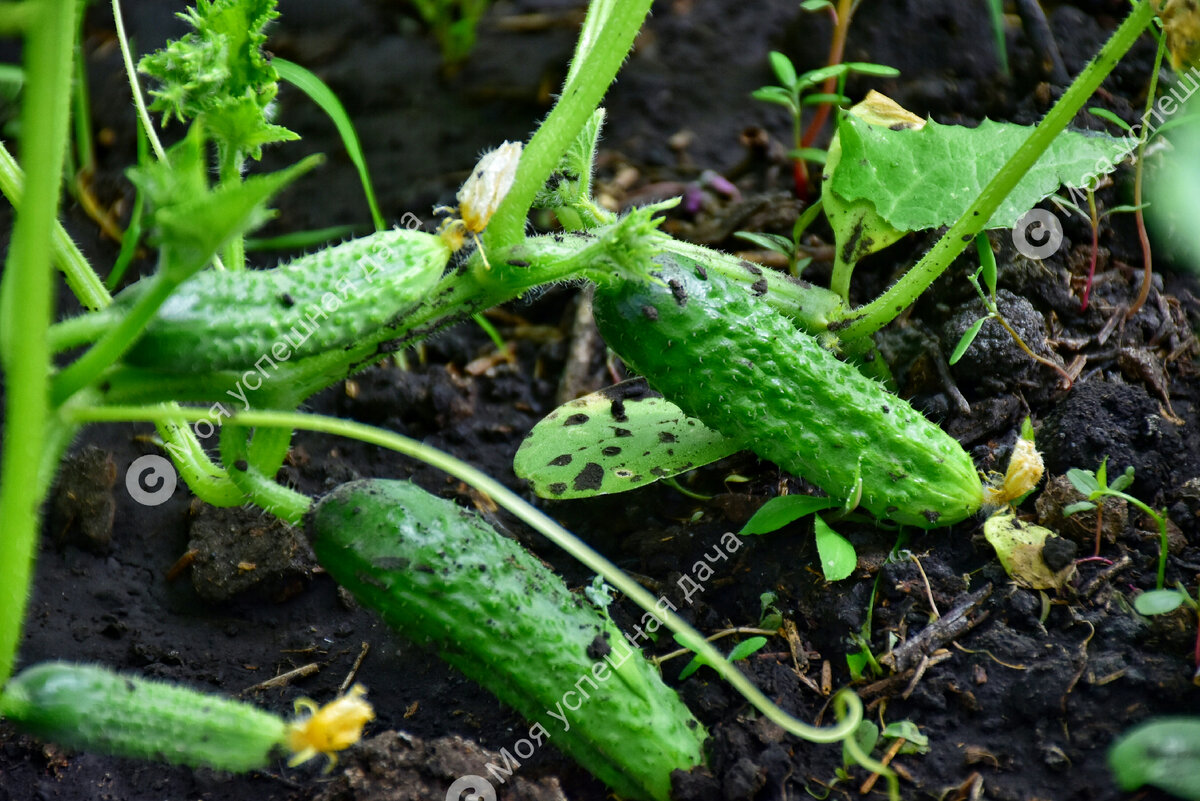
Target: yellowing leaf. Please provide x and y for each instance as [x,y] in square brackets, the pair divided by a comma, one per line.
[1019,547]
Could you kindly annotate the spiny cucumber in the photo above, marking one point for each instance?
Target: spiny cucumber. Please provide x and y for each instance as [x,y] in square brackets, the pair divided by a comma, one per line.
[440,575]
[221,320]
[95,709]
[726,358]
[89,707]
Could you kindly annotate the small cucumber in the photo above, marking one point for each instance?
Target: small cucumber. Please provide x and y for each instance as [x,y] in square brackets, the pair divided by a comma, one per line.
[726,358]
[89,707]
[440,575]
[220,320]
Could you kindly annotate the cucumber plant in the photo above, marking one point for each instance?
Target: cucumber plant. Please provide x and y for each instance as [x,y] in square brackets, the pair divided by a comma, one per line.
[128,371]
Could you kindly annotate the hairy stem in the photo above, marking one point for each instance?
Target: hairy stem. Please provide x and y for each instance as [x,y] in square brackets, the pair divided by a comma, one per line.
[26,306]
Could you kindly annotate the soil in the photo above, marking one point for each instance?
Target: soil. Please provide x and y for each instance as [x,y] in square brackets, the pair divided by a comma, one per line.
[1019,701]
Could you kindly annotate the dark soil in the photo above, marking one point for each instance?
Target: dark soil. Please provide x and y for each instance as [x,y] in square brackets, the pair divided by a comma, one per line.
[1020,704]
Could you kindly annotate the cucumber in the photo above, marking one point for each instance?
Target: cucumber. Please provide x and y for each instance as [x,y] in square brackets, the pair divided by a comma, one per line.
[441,576]
[89,707]
[745,370]
[221,320]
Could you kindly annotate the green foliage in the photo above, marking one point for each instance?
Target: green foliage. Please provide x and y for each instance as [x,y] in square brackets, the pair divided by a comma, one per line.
[915,178]
[186,215]
[740,651]
[838,558]
[1095,486]
[454,24]
[615,440]
[1174,190]
[782,510]
[1163,752]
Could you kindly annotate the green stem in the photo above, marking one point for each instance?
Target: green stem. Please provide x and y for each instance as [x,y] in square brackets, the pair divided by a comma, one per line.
[868,319]
[608,34]
[1161,522]
[564,539]
[81,278]
[260,488]
[116,340]
[26,308]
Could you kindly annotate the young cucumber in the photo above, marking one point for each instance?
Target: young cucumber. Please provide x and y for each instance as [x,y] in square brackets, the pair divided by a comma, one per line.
[220,320]
[92,708]
[729,360]
[440,575]
[89,707]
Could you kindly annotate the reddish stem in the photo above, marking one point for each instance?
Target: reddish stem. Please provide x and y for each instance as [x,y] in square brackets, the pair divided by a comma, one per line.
[1087,288]
[837,48]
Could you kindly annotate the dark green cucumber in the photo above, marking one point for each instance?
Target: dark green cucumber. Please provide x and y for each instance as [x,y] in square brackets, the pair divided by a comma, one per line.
[726,358]
[89,707]
[440,575]
[220,320]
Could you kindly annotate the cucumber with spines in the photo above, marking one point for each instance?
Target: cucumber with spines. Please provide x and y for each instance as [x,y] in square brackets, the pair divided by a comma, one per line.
[96,709]
[441,576]
[726,358]
[223,320]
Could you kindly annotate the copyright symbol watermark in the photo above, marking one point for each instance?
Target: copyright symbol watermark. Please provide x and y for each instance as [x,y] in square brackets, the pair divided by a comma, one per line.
[151,480]
[476,788]
[1037,235]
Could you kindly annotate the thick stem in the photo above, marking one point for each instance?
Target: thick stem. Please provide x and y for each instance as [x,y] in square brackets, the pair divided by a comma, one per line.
[868,319]
[26,306]
[596,63]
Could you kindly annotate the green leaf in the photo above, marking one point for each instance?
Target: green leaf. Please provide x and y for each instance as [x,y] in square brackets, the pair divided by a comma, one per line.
[917,743]
[1122,482]
[740,651]
[1164,752]
[782,510]
[866,735]
[192,221]
[785,71]
[1077,507]
[857,664]
[323,96]
[1158,602]
[615,440]
[813,154]
[816,5]
[774,94]
[967,338]
[867,68]
[838,558]
[926,178]
[1102,473]
[1084,481]
[821,97]
[747,647]
[774,242]
[1105,114]
[996,14]
[987,262]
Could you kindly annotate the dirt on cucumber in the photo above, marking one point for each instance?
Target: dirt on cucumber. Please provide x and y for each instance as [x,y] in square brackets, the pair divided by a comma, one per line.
[1019,704]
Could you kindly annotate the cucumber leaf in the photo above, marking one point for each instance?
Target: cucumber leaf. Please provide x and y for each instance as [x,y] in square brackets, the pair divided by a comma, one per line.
[618,439]
[926,178]
[1164,752]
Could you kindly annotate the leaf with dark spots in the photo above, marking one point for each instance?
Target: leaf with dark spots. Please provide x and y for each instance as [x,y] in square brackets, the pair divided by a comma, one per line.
[576,420]
[560,461]
[589,477]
